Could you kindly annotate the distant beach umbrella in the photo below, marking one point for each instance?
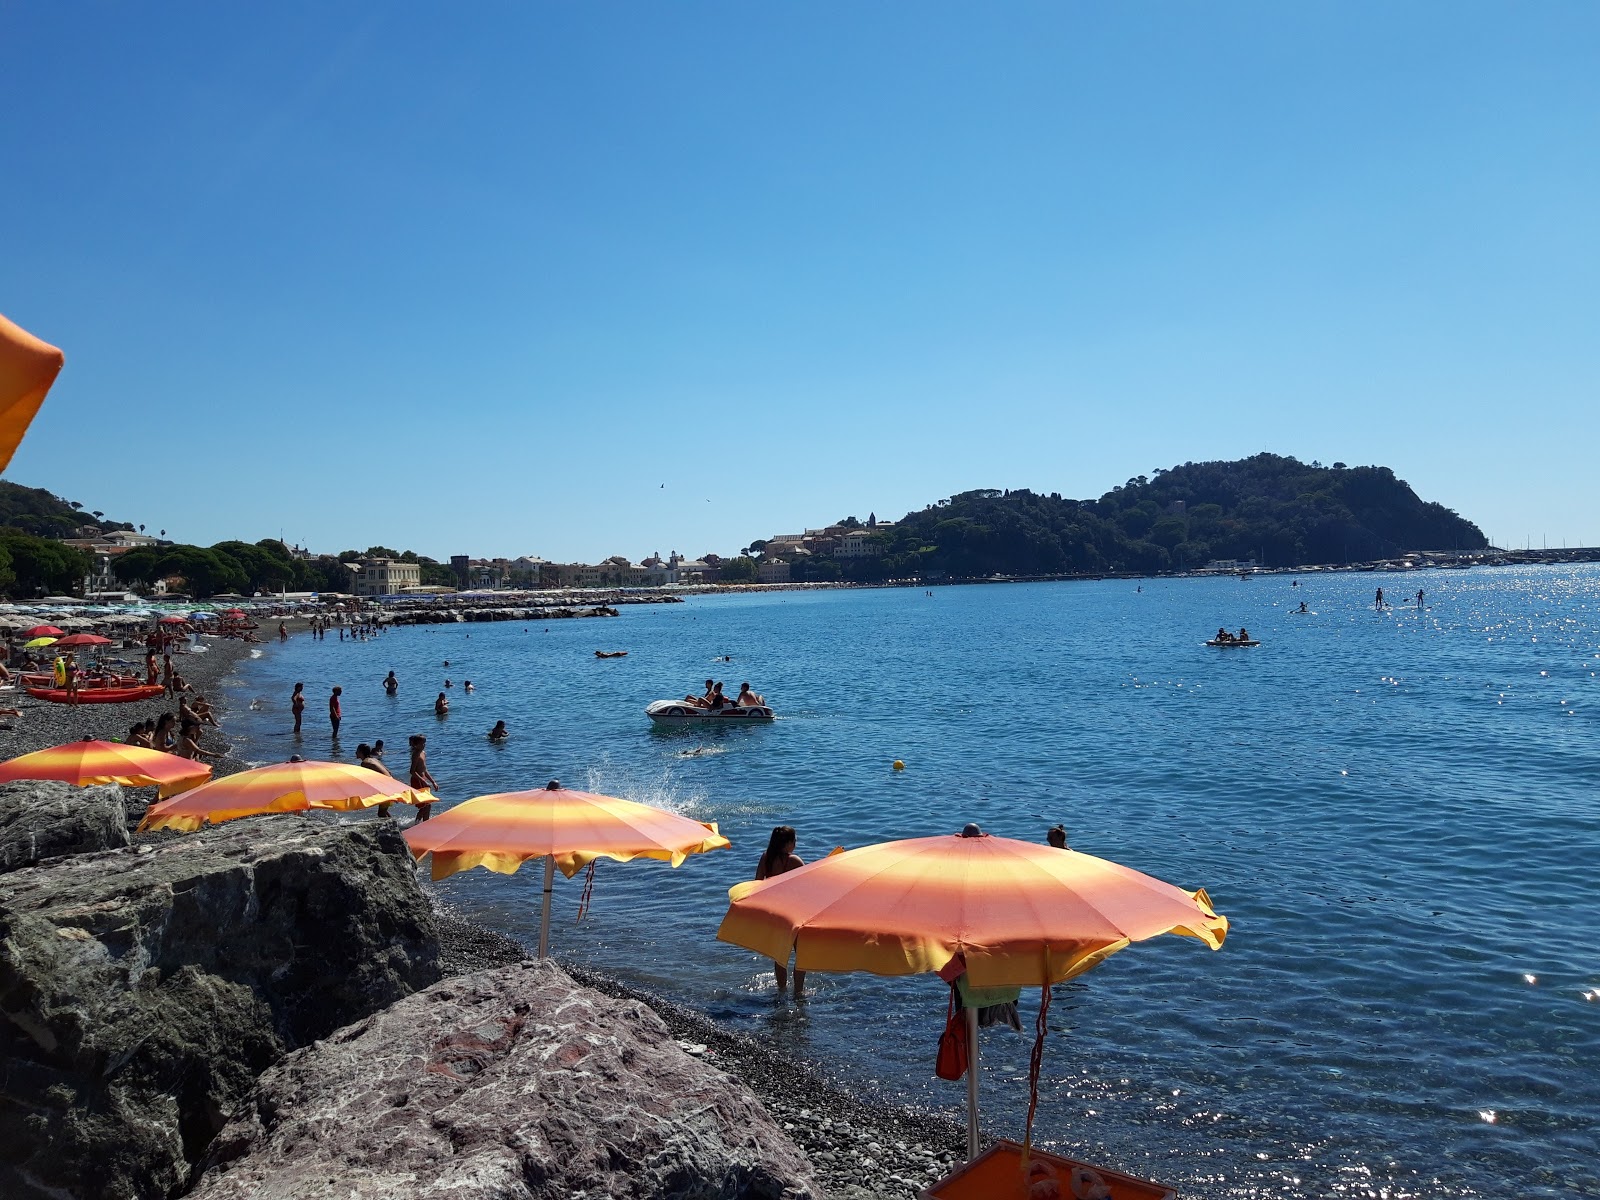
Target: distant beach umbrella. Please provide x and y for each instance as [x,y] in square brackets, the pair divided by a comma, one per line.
[84,639]
[568,829]
[1006,913]
[173,620]
[89,762]
[42,631]
[28,367]
[278,788]
[39,643]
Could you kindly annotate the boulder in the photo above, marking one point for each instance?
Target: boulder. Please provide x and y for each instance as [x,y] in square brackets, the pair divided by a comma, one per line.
[512,1083]
[143,989]
[42,819]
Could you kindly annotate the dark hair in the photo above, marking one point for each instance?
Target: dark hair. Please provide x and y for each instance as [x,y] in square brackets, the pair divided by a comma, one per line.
[363,750]
[299,686]
[783,836]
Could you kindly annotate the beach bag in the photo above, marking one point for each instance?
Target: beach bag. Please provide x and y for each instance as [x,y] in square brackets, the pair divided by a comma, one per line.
[952,1060]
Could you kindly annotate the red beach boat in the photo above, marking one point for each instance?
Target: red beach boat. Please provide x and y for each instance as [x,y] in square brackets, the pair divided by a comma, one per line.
[117,692]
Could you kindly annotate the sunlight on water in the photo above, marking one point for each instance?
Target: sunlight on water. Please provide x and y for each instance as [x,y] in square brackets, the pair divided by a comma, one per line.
[1396,809]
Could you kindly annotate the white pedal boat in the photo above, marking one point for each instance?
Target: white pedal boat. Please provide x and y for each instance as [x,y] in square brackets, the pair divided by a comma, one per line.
[681,712]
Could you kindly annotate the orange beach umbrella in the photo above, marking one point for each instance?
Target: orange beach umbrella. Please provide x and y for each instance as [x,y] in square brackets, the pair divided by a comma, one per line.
[567,829]
[28,367]
[294,786]
[1012,913]
[88,762]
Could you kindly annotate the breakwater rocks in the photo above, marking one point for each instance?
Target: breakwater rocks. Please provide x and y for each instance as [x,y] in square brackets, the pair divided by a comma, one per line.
[144,989]
[43,819]
[451,616]
[512,1083]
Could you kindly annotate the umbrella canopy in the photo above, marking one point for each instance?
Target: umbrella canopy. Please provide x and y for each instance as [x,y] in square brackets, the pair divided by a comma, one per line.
[28,367]
[38,643]
[84,639]
[1007,913]
[43,631]
[567,829]
[86,762]
[1019,913]
[173,620]
[294,786]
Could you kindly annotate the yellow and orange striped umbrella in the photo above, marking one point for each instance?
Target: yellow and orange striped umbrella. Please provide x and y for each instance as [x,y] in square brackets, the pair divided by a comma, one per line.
[1020,914]
[1007,913]
[89,762]
[294,786]
[28,367]
[567,829]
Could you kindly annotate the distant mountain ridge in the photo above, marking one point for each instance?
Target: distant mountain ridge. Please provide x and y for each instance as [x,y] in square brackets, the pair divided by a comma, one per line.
[1270,508]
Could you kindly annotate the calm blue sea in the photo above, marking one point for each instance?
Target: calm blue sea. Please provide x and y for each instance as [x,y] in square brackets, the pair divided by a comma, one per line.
[1398,812]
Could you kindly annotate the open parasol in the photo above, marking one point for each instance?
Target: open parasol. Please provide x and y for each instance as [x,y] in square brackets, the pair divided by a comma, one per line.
[294,786]
[567,829]
[1011,913]
[84,639]
[89,761]
[28,367]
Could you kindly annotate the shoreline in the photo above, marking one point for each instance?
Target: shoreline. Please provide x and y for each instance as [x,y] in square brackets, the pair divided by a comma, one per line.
[859,1149]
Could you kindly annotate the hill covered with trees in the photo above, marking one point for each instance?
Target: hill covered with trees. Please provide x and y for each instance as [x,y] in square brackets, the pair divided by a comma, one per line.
[44,514]
[1276,510]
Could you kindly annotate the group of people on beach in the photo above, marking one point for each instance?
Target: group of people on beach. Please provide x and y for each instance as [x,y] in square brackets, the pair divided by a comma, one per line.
[177,733]
[712,698]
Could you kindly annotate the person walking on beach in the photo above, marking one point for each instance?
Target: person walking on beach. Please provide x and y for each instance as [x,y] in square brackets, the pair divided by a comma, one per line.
[421,777]
[151,671]
[297,704]
[778,859]
[166,671]
[335,713]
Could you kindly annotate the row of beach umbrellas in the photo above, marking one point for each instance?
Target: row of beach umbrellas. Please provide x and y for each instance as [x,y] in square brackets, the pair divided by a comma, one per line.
[1006,912]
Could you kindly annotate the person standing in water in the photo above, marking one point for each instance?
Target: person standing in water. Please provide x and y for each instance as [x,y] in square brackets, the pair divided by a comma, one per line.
[297,704]
[335,712]
[421,777]
[390,683]
[779,859]
[1378,603]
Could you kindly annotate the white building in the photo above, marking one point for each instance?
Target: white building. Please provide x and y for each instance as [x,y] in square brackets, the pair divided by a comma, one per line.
[383,576]
[858,543]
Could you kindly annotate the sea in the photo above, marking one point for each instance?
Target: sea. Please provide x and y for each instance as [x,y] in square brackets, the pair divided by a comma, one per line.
[1396,808]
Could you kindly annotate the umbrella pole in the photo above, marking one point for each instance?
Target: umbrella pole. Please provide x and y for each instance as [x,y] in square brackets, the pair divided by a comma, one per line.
[544,916]
[972,1084]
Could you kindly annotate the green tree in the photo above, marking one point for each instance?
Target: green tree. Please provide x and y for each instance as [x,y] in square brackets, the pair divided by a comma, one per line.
[737,570]
[40,566]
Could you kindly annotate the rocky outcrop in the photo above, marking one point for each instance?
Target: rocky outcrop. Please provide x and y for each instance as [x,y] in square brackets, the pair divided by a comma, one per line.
[42,819]
[142,990]
[507,1084]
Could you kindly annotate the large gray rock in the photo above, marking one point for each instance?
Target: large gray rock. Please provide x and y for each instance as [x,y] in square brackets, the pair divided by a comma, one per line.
[42,819]
[508,1084]
[144,989]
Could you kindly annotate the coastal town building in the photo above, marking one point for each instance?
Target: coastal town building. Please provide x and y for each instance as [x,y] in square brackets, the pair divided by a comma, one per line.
[772,572]
[383,576]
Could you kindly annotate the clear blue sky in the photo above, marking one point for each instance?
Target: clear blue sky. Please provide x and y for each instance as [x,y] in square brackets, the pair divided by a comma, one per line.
[481,278]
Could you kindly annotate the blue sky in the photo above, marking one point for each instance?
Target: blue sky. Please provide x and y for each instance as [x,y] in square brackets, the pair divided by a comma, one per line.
[481,278]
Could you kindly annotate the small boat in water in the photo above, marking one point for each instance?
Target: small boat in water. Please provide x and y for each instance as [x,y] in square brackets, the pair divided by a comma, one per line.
[611,654]
[681,712]
[1232,642]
